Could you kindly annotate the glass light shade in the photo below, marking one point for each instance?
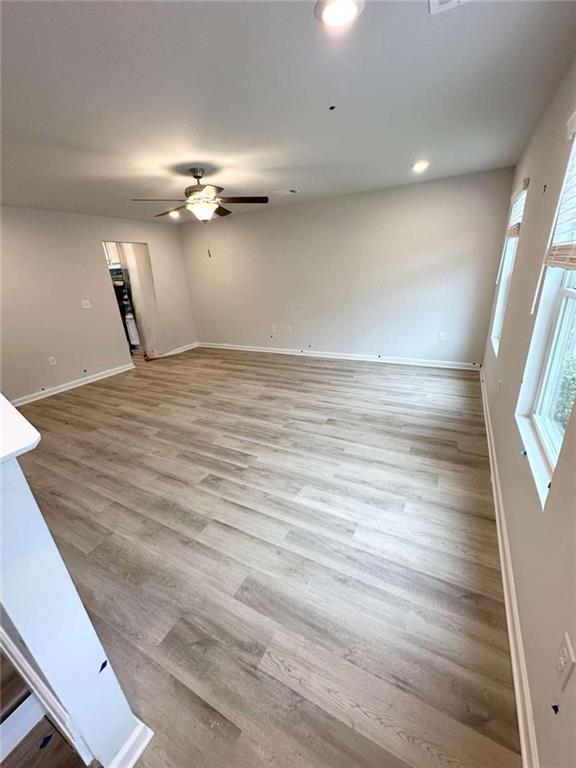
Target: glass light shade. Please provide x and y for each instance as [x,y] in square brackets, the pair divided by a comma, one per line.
[203,210]
[338,13]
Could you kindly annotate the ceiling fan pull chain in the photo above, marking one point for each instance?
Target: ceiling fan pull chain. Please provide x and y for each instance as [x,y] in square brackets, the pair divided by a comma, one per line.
[205,223]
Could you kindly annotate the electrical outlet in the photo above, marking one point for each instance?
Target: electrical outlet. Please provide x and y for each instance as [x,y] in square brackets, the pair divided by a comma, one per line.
[274,328]
[565,661]
[85,303]
[442,336]
[52,360]
[288,329]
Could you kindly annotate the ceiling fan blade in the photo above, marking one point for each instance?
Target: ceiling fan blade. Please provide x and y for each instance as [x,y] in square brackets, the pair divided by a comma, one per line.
[222,211]
[157,200]
[244,199]
[165,213]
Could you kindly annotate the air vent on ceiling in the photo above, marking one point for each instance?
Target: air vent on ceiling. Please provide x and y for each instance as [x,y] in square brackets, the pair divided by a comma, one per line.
[285,192]
[439,6]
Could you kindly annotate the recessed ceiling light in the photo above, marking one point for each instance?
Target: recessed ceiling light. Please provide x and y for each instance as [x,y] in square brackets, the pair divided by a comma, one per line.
[420,166]
[338,13]
[174,214]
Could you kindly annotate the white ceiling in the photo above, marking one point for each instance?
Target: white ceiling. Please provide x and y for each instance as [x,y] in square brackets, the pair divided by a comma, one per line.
[104,101]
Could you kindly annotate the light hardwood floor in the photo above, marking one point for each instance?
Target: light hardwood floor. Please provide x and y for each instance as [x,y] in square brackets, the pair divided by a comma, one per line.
[292,562]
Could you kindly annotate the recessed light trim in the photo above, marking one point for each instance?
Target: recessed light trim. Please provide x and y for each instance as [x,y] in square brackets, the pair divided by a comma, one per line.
[420,166]
[338,13]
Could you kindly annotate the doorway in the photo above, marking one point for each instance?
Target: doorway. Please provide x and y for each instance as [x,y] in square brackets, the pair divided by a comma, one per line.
[130,271]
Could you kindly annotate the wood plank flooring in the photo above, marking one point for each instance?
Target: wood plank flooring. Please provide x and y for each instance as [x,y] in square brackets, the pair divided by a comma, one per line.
[292,562]
[13,690]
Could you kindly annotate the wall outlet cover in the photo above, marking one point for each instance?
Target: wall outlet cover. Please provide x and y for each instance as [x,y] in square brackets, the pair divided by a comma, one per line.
[442,336]
[85,303]
[52,361]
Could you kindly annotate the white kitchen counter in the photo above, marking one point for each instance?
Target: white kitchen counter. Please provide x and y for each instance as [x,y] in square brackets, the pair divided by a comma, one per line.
[17,435]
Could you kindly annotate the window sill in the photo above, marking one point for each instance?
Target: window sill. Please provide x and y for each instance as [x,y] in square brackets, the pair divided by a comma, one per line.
[536,456]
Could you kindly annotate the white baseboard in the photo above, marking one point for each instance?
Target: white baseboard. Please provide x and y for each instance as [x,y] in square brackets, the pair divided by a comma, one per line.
[19,724]
[71,384]
[526,728]
[346,356]
[43,701]
[178,350]
[245,348]
[49,703]
[133,747]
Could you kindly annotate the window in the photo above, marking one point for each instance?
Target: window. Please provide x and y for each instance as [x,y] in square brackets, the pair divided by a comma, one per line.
[548,391]
[557,391]
[507,264]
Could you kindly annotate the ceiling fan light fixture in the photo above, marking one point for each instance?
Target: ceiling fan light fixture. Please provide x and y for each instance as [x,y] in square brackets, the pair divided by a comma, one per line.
[203,210]
[338,13]
[203,200]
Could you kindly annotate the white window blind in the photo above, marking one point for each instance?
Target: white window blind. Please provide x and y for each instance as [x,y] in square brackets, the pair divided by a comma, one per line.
[562,250]
[516,213]
[517,206]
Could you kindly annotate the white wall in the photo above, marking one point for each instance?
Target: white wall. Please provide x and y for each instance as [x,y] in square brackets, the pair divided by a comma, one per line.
[374,273]
[543,542]
[50,261]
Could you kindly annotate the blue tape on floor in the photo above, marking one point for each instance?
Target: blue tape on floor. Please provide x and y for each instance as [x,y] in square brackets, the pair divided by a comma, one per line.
[46,740]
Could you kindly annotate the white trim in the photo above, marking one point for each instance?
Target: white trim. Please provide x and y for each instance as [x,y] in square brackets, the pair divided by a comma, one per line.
[126,756]
[526,727]
[347,356]
[537,458]
[179,350]
[133,747]
[72,384]
[44,694]
[19,724]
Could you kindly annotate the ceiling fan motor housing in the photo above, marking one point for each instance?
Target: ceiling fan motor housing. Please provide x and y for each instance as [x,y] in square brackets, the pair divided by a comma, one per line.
[198,173]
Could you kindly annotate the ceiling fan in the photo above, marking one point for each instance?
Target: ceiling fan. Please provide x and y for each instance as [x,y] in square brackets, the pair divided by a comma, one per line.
[202,200]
